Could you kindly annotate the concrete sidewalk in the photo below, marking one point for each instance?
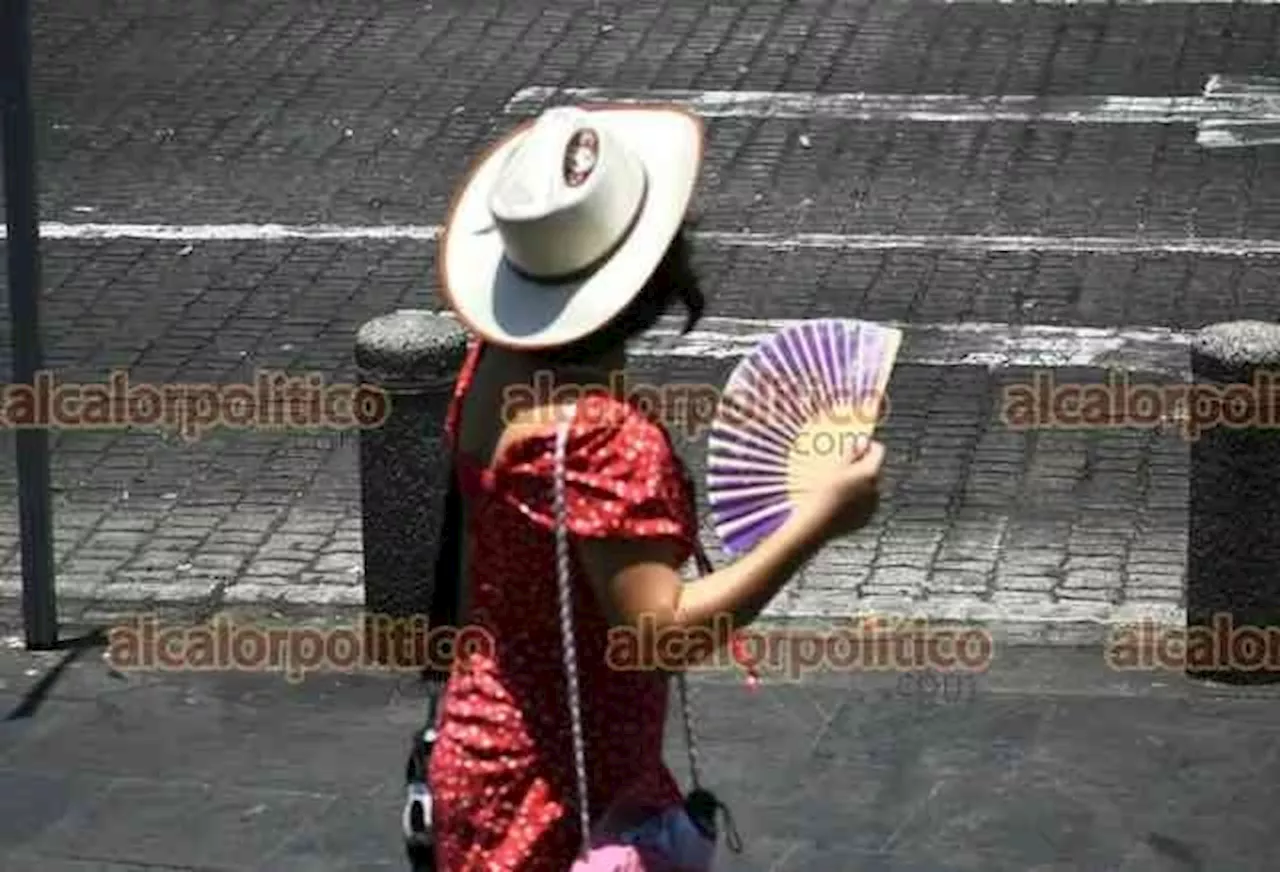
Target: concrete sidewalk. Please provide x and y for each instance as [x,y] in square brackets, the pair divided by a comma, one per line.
[1049,761]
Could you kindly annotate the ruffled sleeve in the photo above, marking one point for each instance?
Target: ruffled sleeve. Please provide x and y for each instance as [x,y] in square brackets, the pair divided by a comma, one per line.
[622,478]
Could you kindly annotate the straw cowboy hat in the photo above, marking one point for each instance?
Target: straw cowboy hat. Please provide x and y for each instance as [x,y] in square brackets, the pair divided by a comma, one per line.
[560,224]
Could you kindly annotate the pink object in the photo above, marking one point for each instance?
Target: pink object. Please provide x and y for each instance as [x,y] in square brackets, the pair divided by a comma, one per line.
[613,858]
[626,858]
[744,660]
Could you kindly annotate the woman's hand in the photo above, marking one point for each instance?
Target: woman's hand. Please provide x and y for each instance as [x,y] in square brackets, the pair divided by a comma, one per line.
[847,501]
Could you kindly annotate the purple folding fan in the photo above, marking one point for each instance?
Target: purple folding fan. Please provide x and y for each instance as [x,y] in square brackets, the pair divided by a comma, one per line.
[793,409]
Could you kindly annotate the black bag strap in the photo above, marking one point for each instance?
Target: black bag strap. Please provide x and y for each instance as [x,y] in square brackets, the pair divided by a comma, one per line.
[446,589]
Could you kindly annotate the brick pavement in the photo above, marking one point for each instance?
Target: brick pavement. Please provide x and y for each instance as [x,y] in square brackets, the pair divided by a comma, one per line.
[269,109]
[208,303]
[1030,526]
[275,112]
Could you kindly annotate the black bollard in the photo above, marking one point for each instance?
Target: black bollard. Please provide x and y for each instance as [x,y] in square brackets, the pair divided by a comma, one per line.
[1233,544]
[414,357]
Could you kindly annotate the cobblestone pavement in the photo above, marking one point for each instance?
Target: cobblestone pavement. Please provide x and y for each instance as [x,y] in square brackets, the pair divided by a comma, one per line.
[279,111]
[287,113]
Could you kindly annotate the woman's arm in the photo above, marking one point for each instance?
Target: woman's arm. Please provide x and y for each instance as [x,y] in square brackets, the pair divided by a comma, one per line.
[639,585]
[638,580]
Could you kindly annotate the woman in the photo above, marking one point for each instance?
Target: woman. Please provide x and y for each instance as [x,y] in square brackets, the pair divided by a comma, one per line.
[566,241]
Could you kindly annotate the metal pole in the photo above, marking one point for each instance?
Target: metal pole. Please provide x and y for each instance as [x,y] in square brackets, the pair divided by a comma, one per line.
[39,603]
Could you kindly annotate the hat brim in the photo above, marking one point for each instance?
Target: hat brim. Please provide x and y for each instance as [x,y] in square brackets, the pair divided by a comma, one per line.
[506,308]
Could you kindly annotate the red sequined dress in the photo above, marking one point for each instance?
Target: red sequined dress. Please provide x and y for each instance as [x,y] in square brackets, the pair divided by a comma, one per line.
[502,774]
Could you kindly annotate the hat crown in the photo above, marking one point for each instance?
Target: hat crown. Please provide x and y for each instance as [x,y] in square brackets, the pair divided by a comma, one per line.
[566,195]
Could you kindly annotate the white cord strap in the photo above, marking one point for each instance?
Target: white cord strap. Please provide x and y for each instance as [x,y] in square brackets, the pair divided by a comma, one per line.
[568,642]
[686,702]
[690,740]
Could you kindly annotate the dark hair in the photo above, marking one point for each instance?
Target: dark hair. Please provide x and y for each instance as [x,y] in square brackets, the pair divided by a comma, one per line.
[673,279]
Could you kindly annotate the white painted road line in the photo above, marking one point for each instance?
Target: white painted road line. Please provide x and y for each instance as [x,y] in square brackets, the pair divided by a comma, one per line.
[237,232]
[961,243]
[932,108]
[1214,134]
[993,345]
[1233,112]
[983,244]
[1262,129]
